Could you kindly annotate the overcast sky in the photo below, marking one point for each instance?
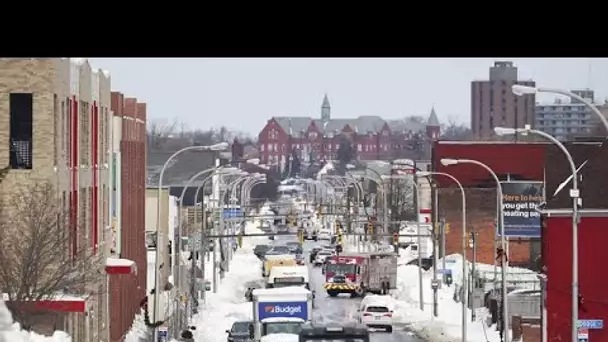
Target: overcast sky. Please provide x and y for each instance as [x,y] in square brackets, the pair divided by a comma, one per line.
[243,94]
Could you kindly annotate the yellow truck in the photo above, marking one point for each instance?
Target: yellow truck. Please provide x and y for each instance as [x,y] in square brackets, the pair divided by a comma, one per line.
[277,260]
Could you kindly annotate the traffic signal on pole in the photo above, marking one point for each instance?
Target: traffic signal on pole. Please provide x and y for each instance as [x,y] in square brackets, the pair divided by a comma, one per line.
[338,226]
[239,240]
[395,238]
[370,228]
[340,237]
[301,235]
[319,210]
[447,227]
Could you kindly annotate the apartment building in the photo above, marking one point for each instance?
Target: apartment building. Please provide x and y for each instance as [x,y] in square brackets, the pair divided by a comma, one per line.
[566,119]
[54,127]
[493,104]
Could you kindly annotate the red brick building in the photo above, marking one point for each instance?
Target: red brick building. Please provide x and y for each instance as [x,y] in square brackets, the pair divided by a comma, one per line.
[517,161]
[372,137]
[127,290]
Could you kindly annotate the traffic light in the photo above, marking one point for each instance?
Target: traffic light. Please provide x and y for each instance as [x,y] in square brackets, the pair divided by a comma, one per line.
[395,238]
[340,241]
[239,240]
[370,228]
[500,253]
[301,235]
[319,210]
[447,227]
[338,226]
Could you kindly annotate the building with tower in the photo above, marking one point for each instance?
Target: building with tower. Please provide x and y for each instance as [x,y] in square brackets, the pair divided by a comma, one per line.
[373,138]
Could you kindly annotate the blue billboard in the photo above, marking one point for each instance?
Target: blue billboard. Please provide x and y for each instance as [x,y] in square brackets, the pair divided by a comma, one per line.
[283,309]
[519,202]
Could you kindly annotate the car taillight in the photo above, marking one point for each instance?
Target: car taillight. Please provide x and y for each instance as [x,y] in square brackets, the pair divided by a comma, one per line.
[367,314]
[388,315]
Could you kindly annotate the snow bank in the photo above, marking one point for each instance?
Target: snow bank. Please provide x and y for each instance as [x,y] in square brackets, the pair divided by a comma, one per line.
[11,332]
[228,304]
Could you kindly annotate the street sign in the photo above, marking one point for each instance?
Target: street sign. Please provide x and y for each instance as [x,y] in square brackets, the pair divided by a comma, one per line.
[163,334]
[445,271]
[232,212]
[591,324]
[583,335]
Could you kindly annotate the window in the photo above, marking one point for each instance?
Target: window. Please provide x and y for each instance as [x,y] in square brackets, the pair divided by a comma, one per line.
[21,130]
[359,147]
[269,147]
[262,147]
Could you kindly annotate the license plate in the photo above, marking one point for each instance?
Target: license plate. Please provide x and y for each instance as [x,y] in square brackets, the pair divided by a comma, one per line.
[377,318]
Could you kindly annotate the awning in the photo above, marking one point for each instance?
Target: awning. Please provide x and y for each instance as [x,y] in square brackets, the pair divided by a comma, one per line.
[57,303]
[120,266]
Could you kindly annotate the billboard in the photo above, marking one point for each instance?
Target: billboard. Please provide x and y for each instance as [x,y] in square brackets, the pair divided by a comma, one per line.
[283,309]
[519,202]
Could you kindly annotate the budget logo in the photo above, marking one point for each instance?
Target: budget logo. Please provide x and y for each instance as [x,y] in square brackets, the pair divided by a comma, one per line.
[289,310]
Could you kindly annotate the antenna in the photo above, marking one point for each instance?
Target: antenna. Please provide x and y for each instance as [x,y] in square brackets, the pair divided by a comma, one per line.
[589,74]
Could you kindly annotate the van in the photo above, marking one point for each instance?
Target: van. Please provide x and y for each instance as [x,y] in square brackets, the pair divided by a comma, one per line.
[277,260]
[282,276]
[377,312]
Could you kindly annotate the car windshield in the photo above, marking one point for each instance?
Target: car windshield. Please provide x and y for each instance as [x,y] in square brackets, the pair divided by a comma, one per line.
[324,253]
[341,268]
[240,327]
[282,327]
[376,309]
[261,247]
[280,249]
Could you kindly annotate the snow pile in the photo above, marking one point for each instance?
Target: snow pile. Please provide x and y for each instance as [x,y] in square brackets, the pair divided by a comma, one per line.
[446,327]
[326,168]
[228,304]
[11,332]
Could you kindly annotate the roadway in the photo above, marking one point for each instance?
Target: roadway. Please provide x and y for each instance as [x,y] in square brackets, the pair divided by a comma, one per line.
[342,309]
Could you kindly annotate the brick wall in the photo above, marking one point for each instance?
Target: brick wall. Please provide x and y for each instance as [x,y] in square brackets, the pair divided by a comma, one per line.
[128,290]
[481,217]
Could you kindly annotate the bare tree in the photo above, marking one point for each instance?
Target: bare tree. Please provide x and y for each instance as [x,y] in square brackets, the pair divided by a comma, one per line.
[402,198]
[455,131]
[159,133]
[38,257]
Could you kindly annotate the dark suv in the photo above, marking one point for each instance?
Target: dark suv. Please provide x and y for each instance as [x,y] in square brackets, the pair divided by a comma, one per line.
[241,331]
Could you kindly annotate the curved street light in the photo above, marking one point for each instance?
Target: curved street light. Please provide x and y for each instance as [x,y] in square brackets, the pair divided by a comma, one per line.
[465,271]
[159,243]
[503,240]
[575,194]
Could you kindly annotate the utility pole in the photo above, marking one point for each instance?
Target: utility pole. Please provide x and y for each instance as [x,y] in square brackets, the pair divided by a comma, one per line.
[473,282]
[435,284]
[442,231]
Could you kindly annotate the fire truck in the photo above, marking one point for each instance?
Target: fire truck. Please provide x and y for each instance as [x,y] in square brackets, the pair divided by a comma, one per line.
[358,273]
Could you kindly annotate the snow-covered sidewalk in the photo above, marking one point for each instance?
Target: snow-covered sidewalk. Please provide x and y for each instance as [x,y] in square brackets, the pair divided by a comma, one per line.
[11,331]
[228,304]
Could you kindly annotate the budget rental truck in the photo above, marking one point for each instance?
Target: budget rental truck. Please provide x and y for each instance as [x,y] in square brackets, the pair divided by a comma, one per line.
[280,311]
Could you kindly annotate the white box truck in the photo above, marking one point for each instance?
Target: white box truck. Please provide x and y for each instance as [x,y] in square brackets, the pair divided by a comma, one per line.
[280,310]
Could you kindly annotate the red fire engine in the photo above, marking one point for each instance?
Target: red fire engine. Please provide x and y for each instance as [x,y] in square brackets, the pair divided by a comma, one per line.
[358,273]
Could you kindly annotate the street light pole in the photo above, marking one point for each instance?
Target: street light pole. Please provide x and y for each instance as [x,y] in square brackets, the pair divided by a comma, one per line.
[503,242]
[465,270]
[159,242]
[575,194]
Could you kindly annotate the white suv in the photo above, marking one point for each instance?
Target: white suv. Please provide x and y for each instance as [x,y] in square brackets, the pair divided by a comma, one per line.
[377,312]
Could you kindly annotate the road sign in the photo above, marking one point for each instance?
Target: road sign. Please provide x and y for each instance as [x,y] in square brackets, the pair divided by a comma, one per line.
[232,213]
[163,334]
[591,324]
[583,335]
[445,271]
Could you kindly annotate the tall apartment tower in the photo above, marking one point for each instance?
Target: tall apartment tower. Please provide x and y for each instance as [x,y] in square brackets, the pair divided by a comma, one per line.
[493,104]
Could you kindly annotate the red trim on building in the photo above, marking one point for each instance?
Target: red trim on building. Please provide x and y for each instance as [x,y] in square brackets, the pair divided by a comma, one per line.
[62,305]
[426,211]
[95,168]
[74,158]
[115,270]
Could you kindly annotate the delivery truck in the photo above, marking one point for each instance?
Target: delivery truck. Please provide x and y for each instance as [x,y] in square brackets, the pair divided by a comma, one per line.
[280,310]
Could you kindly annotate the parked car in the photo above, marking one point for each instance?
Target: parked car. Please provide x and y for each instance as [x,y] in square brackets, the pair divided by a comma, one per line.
[241,331]
[280,249]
